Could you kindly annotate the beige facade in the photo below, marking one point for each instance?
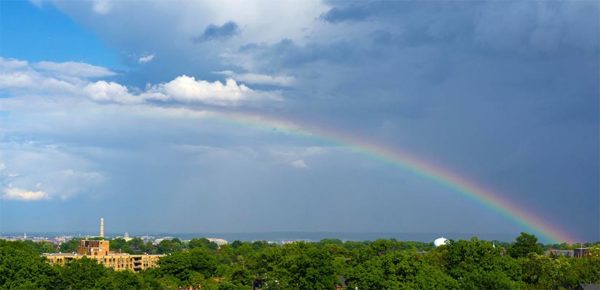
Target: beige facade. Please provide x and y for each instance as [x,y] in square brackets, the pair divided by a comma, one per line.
[99,250]
[93,247]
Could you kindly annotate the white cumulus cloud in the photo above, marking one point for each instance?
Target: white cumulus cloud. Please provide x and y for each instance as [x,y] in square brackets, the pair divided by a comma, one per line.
[187,89]
[13,193]
[74,79]
[103,91]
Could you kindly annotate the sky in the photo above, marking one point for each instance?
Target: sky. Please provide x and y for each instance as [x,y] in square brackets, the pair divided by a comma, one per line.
[226,116]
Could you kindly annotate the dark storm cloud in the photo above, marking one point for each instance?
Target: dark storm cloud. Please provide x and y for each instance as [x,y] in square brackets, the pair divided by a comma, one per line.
[505,92]
[216,32]
[288,54]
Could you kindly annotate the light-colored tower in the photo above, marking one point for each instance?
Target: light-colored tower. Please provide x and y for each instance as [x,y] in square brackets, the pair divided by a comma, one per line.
[102,227]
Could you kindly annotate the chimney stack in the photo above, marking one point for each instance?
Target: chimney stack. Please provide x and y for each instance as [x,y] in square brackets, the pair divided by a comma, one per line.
[102,227]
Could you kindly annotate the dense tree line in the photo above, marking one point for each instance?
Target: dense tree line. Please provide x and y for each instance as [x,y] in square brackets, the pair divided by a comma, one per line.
[135,246]
[381,264]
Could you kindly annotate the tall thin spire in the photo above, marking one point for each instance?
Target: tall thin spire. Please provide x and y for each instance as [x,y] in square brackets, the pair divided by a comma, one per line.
[102,227]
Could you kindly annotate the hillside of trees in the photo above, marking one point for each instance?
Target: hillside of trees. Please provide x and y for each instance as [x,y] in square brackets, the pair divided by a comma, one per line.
[381,264]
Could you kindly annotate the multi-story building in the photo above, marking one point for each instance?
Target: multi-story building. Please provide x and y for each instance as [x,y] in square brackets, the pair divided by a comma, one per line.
[99,250]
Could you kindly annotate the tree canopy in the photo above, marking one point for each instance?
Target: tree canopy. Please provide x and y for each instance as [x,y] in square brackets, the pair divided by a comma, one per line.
[380,264]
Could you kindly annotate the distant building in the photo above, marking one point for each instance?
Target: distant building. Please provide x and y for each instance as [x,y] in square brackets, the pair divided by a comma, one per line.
[99,250]
[581,252]
[564,253]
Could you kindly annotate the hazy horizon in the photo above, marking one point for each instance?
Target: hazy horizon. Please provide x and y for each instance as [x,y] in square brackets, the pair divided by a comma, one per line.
[288,236]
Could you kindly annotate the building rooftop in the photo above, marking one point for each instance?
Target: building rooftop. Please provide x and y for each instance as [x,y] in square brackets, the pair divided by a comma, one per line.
[109,254]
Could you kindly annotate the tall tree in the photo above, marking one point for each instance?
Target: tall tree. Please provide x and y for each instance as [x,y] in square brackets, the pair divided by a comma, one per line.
[525,244]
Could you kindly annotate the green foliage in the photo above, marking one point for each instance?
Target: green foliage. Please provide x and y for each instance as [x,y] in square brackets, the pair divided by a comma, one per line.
[478,264]
[121,280]
[21,267]
[120,245]
[41,247]
[304,266]
[587,270]
[169,246]
[177,265]
[137,246]
[381,264]
[82,273]
[69,246]
[547,273]
[399,270]
[525,244]
[202,243]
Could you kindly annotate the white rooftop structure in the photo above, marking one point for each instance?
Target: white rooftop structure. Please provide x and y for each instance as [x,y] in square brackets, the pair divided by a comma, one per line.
[440,241]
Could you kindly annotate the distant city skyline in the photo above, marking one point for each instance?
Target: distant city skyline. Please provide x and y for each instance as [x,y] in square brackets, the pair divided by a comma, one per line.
[470,117]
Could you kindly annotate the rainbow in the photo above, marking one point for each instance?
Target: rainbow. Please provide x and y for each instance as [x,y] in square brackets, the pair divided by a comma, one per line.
[443,176]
